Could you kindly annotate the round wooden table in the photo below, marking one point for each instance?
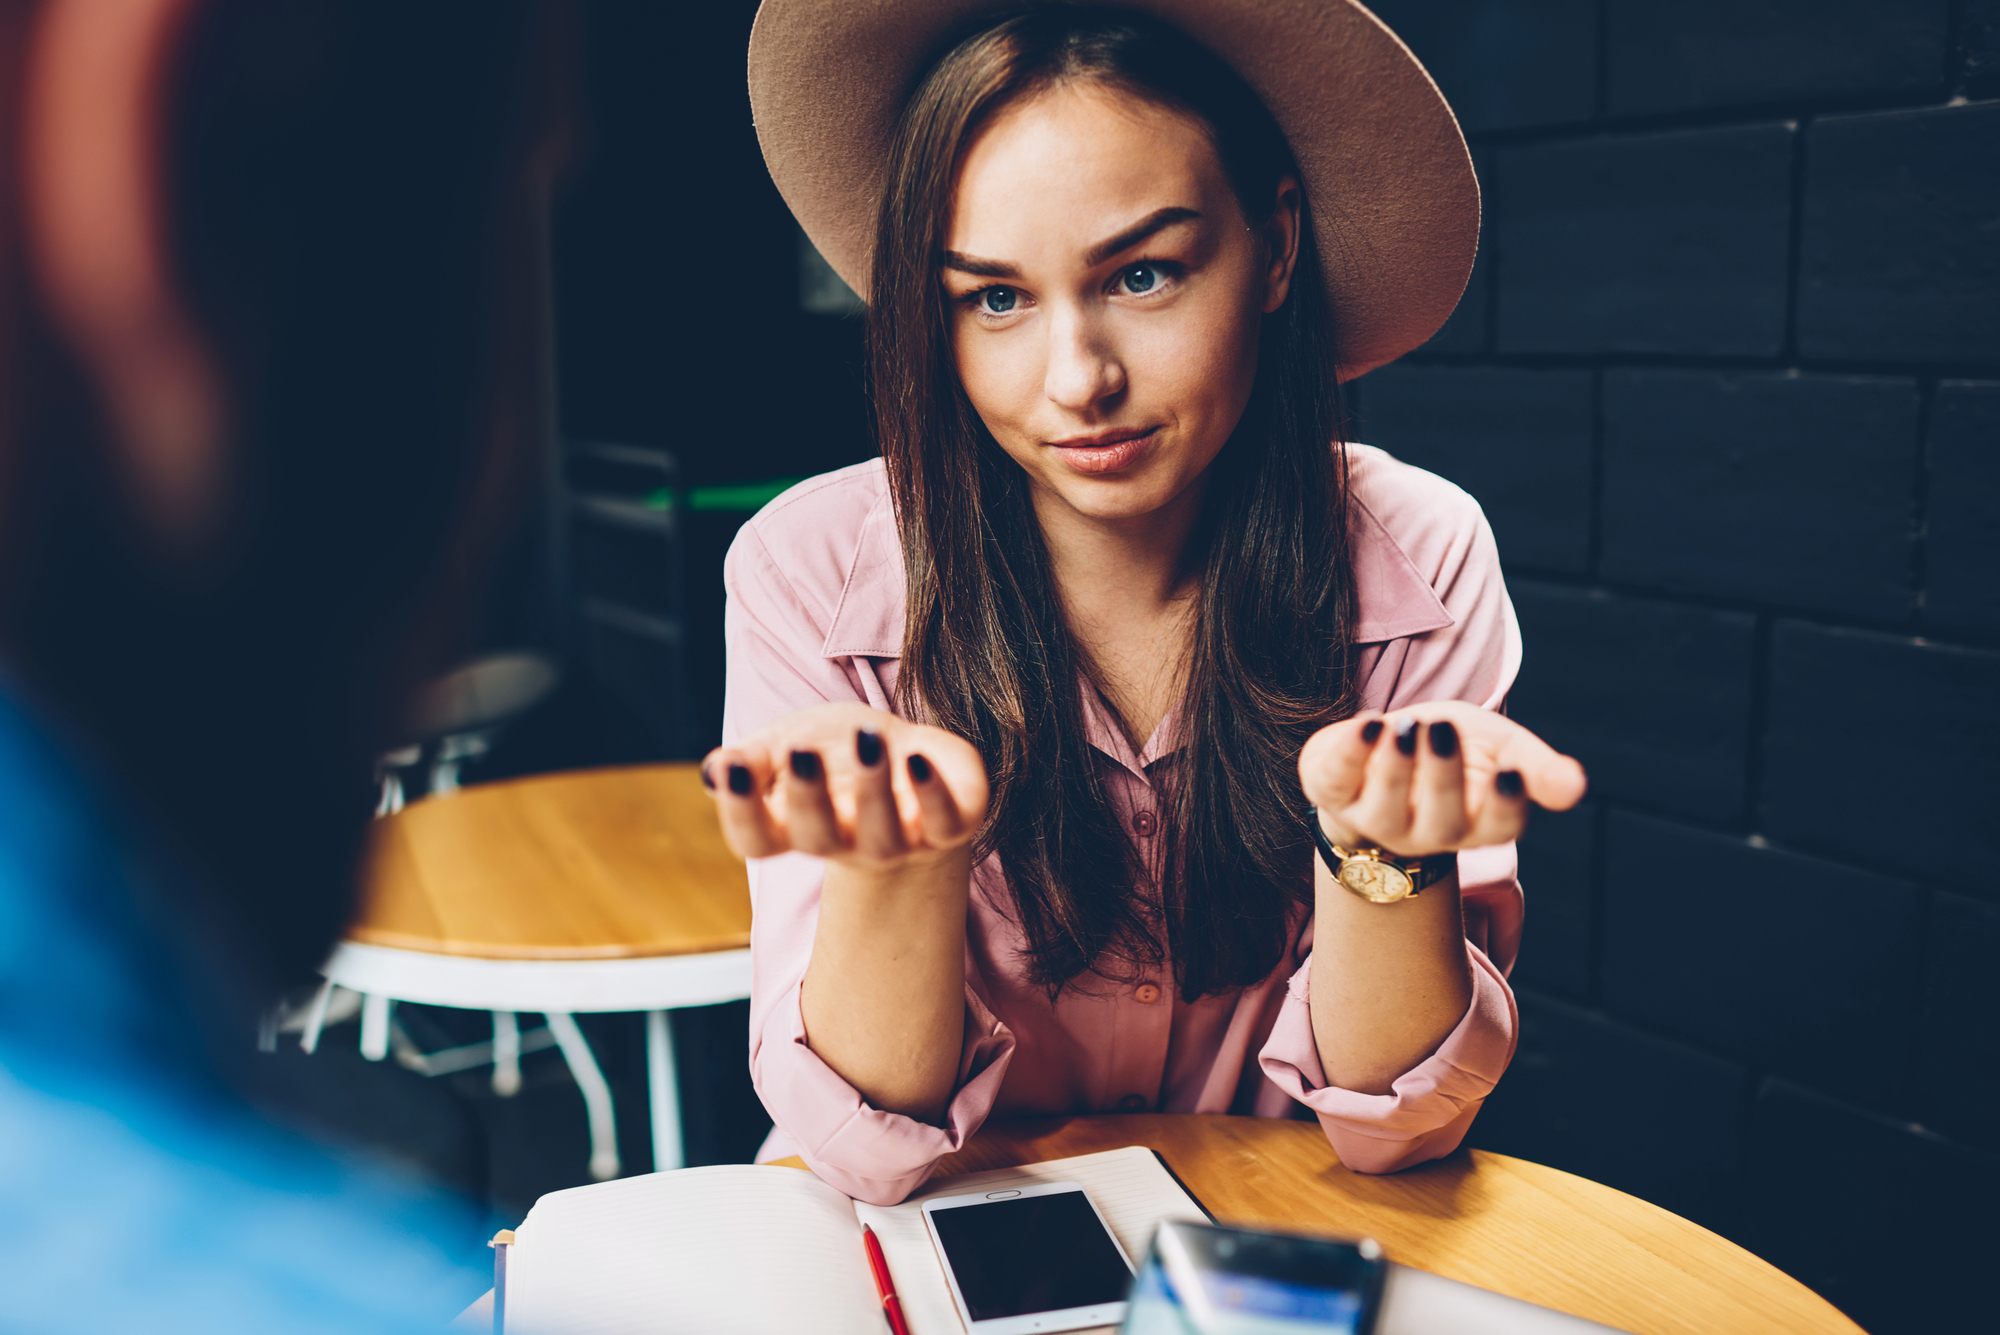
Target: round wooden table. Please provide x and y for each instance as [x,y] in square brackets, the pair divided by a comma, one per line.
[592,890]
[1504,1224]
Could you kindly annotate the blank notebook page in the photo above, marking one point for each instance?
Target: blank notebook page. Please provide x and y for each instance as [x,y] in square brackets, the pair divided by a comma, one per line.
[1130,1187]
[729,1250]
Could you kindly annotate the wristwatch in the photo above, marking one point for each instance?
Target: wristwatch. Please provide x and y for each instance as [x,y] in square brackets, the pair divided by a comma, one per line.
[1375,874]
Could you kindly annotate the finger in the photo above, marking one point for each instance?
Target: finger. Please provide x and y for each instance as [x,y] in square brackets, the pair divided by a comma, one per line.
[878,828]
[1334,761]
[1502,811]
[809,818]
[956,768]
[740,777]
[1551,779]
[937,810]
[1438,822]
[1382,813]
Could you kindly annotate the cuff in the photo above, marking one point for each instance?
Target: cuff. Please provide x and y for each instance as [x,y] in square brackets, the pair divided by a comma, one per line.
[1429,1108]
[874,1156]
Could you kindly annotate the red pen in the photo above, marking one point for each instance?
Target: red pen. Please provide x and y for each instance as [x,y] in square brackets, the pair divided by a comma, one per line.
[891,1307]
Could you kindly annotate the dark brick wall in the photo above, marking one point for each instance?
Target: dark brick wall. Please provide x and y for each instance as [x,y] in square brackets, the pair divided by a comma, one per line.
[1727,382]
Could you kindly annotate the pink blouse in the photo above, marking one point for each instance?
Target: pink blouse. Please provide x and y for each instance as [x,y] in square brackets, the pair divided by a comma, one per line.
[816,602]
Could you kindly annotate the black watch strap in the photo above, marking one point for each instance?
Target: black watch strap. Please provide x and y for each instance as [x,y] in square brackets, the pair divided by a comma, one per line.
[1431,869]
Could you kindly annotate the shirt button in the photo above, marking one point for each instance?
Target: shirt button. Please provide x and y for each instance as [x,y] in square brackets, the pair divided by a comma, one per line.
[1146,994]
[1132,1103]
[1145,823]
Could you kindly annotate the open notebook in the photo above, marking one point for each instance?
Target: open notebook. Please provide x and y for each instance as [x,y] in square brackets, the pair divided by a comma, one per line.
[753,1250]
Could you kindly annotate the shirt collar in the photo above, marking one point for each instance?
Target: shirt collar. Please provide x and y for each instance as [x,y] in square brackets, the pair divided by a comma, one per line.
[1393,599]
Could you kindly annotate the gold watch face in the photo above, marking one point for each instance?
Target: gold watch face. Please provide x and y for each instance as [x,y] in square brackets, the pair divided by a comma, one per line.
[1376,882]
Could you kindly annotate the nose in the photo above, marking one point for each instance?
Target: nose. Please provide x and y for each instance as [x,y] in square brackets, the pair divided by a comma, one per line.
[1084,373]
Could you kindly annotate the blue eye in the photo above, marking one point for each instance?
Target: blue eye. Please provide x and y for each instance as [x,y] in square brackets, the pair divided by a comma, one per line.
[998,300]
[1139,278]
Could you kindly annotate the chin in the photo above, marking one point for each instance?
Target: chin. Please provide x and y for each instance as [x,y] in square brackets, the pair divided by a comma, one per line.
[1116,497]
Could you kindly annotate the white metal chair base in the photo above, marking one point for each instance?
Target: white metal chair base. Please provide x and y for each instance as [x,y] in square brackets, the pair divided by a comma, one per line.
[557,989]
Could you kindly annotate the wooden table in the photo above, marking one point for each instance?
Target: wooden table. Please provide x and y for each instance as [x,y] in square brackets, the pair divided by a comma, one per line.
[1504,1224]
[589,864]
[593,890]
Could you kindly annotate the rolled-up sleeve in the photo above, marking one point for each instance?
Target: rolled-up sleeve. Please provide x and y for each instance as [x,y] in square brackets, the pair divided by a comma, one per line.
[872,1155]
[1430,1107]
[774,631]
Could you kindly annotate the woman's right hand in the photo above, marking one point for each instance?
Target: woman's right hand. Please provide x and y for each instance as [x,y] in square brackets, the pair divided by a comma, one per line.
[854,785]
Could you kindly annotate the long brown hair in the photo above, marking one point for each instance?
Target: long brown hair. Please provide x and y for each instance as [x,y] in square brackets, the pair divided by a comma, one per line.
[987,652]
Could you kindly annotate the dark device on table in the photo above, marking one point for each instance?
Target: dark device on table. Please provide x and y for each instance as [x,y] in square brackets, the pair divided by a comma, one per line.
[1203,1280]
[1029,1260]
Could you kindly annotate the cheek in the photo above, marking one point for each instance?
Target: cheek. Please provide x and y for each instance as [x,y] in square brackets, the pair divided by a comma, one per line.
[997,376]
[1206,363]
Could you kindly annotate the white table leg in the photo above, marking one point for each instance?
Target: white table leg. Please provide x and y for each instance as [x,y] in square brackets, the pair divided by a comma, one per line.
[316,1017]
[663,1091]
[596,1094]
[506,1054]
[375,1026]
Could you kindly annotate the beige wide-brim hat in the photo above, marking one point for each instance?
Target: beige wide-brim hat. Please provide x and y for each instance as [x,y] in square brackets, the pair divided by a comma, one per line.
[1394,199]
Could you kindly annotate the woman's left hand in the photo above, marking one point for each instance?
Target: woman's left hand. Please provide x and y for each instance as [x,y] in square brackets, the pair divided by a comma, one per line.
[1433,778]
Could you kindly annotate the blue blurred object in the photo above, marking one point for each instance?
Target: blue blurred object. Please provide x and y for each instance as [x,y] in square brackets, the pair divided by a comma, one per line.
[136,1192]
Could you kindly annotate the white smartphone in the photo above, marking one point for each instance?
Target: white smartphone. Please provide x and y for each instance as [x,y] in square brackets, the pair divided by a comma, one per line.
[1029,1260]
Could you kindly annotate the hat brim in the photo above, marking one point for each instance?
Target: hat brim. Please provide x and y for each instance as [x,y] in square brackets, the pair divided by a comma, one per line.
[1394,199]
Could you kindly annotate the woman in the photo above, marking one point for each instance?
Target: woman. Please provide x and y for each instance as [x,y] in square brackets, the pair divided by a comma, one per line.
[1025,721]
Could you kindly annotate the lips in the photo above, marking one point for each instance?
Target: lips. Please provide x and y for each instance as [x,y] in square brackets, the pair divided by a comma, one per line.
[1106,451]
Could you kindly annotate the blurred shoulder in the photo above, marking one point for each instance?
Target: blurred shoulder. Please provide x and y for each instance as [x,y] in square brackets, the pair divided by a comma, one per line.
[1423,554]
[817,525]
[1420,511]
[812,541]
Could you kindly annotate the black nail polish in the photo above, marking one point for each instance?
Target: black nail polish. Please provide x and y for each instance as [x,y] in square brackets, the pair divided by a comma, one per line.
[1444,741]
[1371,730]
[868,747]
[707,779]
[920,769]
[740,782]
[1508,783]
[805,765]
[1406,736]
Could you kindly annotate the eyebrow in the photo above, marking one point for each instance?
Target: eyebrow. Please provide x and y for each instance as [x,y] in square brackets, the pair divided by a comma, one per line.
[1156,221]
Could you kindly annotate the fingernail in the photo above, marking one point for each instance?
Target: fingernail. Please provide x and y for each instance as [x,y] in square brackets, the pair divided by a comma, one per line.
[805,765]
[920,769]
[739,780]
[707,779]
[1508,783]
[1444,741]
[1371,730]
[1406,736]
[868,747]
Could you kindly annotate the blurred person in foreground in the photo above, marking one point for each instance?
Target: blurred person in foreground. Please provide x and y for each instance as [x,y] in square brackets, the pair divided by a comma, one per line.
[268,375]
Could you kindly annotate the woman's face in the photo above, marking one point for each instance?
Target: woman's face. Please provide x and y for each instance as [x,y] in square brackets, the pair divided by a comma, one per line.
[1105,293]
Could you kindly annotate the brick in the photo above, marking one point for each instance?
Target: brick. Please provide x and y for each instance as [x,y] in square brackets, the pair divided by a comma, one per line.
[1715,53]
[1519,441]
[1890,1222]
[1979,39]
[1805,967]
[1464,333]
[1961,1044]
[1658,243]
[1962,507]
[1881,748]
[1653,697]
[1606,1102]
[1504,64]
[1897,259]
[1558,875]
[1783,488]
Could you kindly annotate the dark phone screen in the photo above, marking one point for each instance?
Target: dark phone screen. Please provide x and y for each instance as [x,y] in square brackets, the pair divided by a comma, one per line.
[1031,1254]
